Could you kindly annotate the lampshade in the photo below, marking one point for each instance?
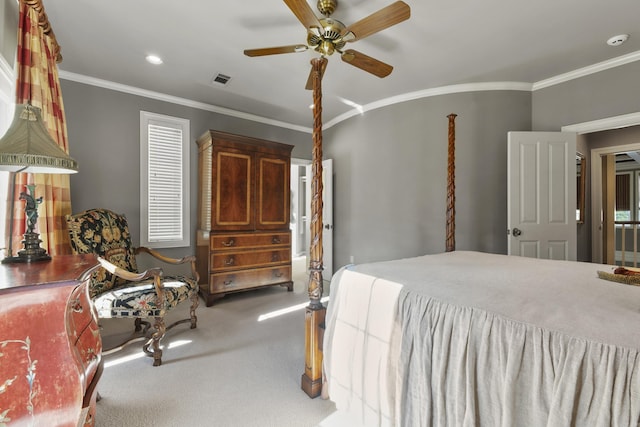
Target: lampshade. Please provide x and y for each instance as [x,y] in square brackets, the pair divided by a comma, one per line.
[27,146]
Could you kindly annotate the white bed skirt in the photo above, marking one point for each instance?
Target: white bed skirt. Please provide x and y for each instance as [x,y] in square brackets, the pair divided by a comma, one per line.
[473,339]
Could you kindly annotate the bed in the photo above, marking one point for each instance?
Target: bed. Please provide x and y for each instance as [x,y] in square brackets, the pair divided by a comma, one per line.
[465,338]
[469,338]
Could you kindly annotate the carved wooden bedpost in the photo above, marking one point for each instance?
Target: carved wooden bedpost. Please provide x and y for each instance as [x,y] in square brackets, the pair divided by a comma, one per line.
[451,186]
[315,311]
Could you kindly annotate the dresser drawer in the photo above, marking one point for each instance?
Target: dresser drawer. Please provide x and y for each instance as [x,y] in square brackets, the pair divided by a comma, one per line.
[249,259]
[232,281]
[249,240]
[79,312]
[89,350]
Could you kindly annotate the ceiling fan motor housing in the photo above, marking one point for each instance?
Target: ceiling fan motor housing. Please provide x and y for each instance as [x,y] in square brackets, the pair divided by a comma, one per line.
[330,40]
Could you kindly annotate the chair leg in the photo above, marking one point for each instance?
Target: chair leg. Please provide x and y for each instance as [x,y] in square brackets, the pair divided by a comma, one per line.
[154,342]
[194,304]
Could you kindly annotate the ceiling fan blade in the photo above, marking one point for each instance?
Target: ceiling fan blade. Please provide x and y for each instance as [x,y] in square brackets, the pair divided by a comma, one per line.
[276,50]
[378,21]
[366,63]
[304,13]
[323,67]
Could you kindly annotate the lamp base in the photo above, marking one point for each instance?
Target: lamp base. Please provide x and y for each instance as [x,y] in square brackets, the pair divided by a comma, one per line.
[32,251]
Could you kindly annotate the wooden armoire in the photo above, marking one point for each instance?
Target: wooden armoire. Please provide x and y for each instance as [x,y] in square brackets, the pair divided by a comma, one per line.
[243,237]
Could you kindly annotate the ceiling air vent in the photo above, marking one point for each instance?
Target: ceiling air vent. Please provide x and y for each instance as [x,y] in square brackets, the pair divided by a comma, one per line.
[221,79]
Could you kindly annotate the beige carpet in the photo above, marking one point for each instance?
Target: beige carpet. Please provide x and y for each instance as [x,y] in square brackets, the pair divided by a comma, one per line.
[231,371]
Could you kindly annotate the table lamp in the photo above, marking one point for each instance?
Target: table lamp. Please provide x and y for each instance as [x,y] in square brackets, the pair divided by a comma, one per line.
[28,147]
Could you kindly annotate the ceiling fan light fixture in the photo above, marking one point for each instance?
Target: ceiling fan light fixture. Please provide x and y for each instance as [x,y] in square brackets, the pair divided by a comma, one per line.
[326,48]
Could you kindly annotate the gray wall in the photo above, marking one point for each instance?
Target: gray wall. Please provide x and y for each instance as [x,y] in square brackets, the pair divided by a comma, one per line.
[597,96]
[9,33]
[389,164]
[609,93]
[104,137]
[390,179]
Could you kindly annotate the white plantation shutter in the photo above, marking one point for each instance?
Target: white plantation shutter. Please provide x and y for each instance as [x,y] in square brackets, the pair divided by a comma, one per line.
[164,150]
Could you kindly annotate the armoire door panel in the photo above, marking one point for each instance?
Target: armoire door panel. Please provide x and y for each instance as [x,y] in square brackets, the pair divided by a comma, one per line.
[233,194]
[273,197]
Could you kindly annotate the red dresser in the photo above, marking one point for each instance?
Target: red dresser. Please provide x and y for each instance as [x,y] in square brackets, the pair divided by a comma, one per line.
[50,347]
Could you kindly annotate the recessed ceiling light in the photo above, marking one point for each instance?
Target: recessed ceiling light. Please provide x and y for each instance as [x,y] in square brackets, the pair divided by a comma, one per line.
[617,40]
[154,59]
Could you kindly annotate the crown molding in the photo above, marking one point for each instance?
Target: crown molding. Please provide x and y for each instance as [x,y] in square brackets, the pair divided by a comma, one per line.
[585,71]
[443,90]
[608,123]
[106,84]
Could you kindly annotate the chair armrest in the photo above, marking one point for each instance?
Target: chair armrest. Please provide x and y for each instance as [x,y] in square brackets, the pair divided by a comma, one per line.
[174,261]
[128,275]
[155,273]
[164,258]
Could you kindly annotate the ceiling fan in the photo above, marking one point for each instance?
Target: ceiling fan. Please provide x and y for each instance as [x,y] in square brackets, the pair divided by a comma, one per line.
[327,35]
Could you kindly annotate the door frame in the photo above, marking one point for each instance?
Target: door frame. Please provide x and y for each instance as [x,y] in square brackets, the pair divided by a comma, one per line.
[596,196]
[609,123]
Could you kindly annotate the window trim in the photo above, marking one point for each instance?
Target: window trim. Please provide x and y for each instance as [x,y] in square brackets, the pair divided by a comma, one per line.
[7,107]
[146,119]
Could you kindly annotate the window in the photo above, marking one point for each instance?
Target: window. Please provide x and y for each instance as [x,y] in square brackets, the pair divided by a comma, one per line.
[164,180]
[623,196]
[7,97]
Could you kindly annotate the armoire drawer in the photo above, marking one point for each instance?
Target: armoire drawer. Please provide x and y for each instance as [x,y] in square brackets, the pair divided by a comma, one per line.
[232,281]
[249,259]
[252,240]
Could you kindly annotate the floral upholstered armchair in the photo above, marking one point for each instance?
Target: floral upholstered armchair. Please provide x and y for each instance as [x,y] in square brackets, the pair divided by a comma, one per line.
[118,290]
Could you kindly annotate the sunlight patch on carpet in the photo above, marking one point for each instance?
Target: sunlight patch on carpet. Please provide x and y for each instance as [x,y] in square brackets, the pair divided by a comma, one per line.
[141,354]
[286,310]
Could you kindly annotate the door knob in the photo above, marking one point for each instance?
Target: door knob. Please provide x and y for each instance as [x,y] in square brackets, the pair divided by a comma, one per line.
[517,232]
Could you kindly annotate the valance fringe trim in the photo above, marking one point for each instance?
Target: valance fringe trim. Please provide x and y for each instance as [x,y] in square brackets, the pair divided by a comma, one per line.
[36,160]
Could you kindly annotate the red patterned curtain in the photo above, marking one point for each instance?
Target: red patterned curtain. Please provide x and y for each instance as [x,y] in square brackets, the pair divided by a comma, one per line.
[38,83]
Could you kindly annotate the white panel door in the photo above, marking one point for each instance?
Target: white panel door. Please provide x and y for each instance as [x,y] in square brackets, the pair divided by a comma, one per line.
[541,195]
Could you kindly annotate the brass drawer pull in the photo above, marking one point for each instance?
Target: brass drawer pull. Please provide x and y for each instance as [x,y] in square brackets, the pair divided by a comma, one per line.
[278,274]
[76,306]
[91,355]
[230,261]
[275,257]
[229,243]
[275,240]
[228,282]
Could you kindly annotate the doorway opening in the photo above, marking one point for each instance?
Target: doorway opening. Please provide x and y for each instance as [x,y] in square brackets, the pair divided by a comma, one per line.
[615,194]
[299,223]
